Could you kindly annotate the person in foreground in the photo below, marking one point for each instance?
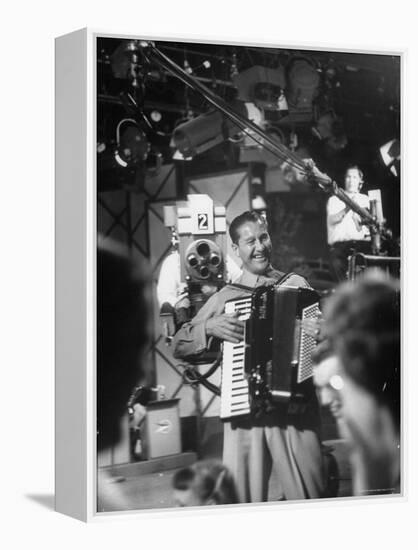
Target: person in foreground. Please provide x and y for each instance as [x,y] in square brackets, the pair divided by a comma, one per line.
[123,332]
[254,444]
[362,322]
[205,483]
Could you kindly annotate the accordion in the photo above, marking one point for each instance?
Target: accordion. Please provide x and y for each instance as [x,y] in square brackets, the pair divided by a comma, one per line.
[273,363]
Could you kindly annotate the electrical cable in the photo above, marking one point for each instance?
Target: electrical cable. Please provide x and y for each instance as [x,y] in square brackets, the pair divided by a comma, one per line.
[192,376]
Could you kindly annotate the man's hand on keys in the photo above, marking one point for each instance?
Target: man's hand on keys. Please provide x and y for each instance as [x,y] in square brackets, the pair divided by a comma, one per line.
[226,327]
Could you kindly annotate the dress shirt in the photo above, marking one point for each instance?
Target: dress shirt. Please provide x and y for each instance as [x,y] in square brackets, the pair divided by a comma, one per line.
[346,229]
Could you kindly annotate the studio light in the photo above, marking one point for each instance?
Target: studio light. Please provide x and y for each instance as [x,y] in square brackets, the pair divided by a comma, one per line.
[179,156]
[261,85]
[259,205]
[206,64]
[156,116]
[132,146]
[391,155]
[303,82]
[202,133]
[330,129]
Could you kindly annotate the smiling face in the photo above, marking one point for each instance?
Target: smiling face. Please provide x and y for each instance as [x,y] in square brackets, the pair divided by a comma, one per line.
[253,247]
[353,180]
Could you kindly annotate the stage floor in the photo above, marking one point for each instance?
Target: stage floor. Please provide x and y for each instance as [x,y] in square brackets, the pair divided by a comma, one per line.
[153,490]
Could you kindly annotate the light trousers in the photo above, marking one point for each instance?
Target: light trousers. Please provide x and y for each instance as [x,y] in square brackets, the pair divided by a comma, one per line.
[251,452]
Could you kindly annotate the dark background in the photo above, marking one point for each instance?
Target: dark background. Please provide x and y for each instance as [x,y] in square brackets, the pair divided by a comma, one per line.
[361,90]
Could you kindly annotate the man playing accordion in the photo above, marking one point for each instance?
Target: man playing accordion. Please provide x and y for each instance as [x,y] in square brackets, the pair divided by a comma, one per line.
[281,439]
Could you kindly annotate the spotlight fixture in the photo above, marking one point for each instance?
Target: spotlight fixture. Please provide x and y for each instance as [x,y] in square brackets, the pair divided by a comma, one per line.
[132,146]
[261,85]
[187,67]
[199,134]
[329,128]
[202,133]
[266,95]
[391,155]
[206,64]
[133,52]
[259,205]
[156,116]
[303,82]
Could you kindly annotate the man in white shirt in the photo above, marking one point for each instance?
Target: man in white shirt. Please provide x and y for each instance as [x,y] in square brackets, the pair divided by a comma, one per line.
[344,227]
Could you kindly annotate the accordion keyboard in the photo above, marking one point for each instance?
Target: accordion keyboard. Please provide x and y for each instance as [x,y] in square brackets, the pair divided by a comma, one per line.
[307,345]
[234,386]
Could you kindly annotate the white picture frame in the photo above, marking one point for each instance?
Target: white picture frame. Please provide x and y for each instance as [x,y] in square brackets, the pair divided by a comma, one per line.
[76,323]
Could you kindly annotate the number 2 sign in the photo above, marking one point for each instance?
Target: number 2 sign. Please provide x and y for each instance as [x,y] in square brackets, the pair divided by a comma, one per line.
[202,215]
[203,221]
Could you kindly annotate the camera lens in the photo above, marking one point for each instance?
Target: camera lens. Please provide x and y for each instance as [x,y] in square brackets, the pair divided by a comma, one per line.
[192,260]
[203,249]
[215,260]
